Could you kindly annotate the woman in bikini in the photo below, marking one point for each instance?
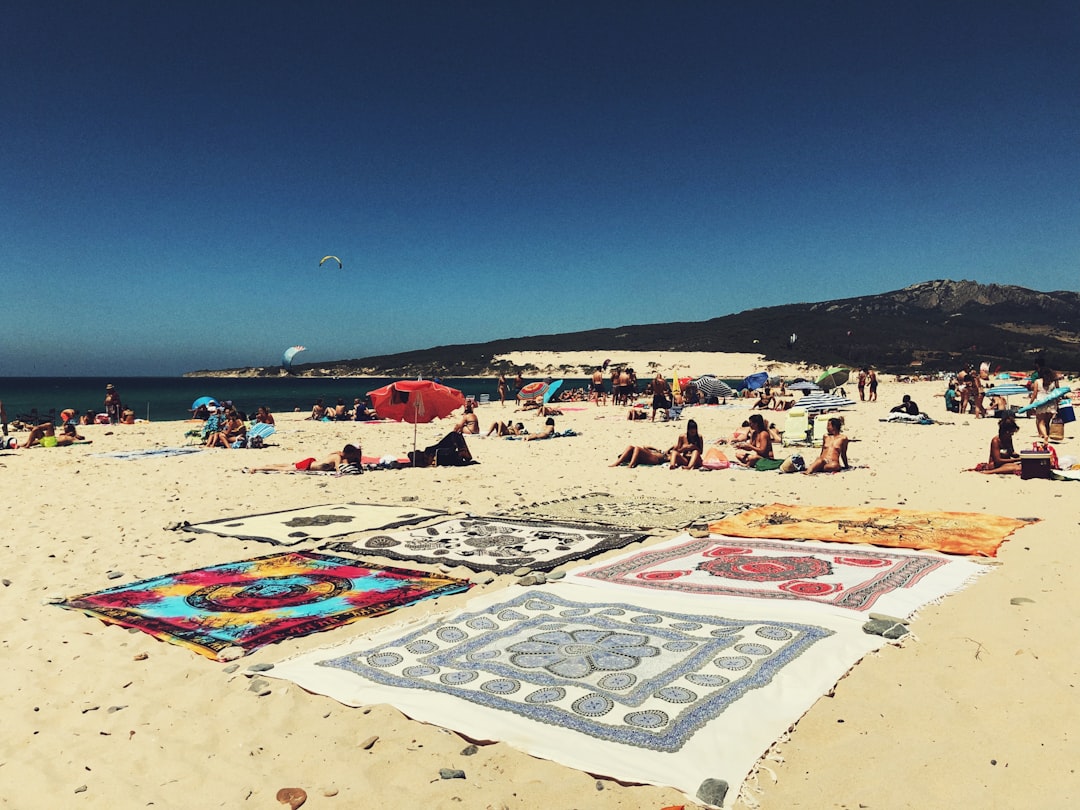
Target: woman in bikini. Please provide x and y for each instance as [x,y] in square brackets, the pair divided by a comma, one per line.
[688,449]
[636,454]
[1003,458]
[758,444]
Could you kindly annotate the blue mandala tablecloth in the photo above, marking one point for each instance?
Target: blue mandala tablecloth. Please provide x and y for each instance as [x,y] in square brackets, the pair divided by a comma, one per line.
[645,692]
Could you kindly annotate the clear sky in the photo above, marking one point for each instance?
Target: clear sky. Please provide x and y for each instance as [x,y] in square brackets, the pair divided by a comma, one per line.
[171,173]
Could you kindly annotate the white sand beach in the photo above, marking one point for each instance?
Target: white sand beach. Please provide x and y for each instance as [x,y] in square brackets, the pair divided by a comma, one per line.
[978,708]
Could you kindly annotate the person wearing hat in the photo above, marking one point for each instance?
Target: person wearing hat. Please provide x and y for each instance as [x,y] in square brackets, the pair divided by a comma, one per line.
[112,404]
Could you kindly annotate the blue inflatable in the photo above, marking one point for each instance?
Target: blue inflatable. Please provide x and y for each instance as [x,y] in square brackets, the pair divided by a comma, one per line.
[1053,396]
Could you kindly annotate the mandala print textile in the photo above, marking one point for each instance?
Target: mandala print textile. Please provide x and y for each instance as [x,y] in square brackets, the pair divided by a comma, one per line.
[155,452]
[897,582]
[315,522]
[252,603]
[652,692]
[495,544]
[951,532]
[644,512]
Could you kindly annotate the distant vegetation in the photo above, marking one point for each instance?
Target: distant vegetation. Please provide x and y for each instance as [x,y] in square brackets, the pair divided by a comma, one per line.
[935,325]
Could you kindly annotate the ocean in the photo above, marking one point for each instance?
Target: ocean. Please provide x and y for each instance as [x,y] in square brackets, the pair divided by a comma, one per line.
[170,398]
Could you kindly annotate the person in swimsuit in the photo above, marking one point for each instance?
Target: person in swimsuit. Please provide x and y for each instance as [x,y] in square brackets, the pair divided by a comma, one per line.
[469,423]
[112,404]
[834,444]
[636,454]
[547,432]
[758,444]
[503,388]
[338,461]
[661,395]
[1003,458]
[688,449]
[45,436]
[598,393]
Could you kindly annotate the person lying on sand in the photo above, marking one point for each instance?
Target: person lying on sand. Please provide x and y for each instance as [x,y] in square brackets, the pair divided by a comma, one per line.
[507,429]
[45,436]
[834,444]
[339,461]
[546,433]
[636,454]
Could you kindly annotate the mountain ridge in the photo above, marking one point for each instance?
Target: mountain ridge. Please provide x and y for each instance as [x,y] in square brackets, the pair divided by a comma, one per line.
[932,325]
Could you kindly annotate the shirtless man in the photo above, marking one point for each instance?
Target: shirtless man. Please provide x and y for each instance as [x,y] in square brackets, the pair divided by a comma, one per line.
[599,393]
[833,456]
[758,444]
[348,456]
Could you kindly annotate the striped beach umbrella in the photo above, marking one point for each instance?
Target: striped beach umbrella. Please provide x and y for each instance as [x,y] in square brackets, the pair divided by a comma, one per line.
[803,385]
[709,385]
[820,402]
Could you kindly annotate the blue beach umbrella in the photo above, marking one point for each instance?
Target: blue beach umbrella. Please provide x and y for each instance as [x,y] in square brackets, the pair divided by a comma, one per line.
[553,386]
[203,401]
[756,381]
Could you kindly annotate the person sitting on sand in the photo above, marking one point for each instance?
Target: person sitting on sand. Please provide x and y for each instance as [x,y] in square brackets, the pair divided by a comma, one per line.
[1003,458]
[347,460]
[231,432]
[766,400]
[263,416]
[908,406]
[45,436]
[758,444]
[341,411]
[636,454]
[834,444]
[469,423]
[318,411]
[546,433]
[688,449]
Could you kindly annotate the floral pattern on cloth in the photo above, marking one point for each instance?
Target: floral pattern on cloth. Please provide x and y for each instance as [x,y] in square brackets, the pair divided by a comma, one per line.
[896,581]
[494,544]
[252,603]
[614,672]
[636,512]
[648,689]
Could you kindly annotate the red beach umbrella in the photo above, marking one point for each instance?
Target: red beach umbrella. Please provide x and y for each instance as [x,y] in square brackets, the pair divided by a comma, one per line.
[416,401]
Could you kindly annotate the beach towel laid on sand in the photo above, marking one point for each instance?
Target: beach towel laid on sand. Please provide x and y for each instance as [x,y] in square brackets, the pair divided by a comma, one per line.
[153,452]
[896,582]
[651,692]
[952,532]
[494,544]
[314,523]
[252,603]
[632,512]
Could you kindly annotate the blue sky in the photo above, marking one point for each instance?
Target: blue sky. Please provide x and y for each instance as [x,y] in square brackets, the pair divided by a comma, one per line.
[171,174]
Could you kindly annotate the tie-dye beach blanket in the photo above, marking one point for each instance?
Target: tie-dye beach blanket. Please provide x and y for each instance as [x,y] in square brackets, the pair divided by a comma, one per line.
[629,512]
[952,532]
[252,603]
[654,691]
[494,544]
[314,522]
[897,582]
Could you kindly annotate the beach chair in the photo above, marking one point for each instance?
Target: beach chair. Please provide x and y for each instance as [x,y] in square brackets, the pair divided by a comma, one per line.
[485,399]
[797,430]
[258,434]
[674,413]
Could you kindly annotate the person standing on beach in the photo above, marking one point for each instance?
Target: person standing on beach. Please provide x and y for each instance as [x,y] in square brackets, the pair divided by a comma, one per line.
[599,394]
[3,417]
[503,389]
[112,404]
[1044,414]
[862,384]
[871,383]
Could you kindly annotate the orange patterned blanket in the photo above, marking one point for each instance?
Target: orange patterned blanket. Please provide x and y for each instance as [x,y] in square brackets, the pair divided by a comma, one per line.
[951,532]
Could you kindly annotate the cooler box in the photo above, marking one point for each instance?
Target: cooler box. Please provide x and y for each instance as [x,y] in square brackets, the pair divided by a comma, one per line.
[1065,411]
[1034,464]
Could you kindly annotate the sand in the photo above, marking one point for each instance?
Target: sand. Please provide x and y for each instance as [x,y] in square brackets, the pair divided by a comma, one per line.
[980,709]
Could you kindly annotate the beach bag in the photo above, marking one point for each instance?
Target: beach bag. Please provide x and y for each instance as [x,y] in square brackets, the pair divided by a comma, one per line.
[793,464]
[1057,428]
[714,459]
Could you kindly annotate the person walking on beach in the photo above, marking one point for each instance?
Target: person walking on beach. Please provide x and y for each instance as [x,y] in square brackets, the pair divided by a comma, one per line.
[1046,382]
[112,404]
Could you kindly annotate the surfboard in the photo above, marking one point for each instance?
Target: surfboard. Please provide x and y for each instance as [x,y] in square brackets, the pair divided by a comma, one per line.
[1053,396]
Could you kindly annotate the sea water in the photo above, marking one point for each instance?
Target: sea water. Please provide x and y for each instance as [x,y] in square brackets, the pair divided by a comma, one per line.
[170,398]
